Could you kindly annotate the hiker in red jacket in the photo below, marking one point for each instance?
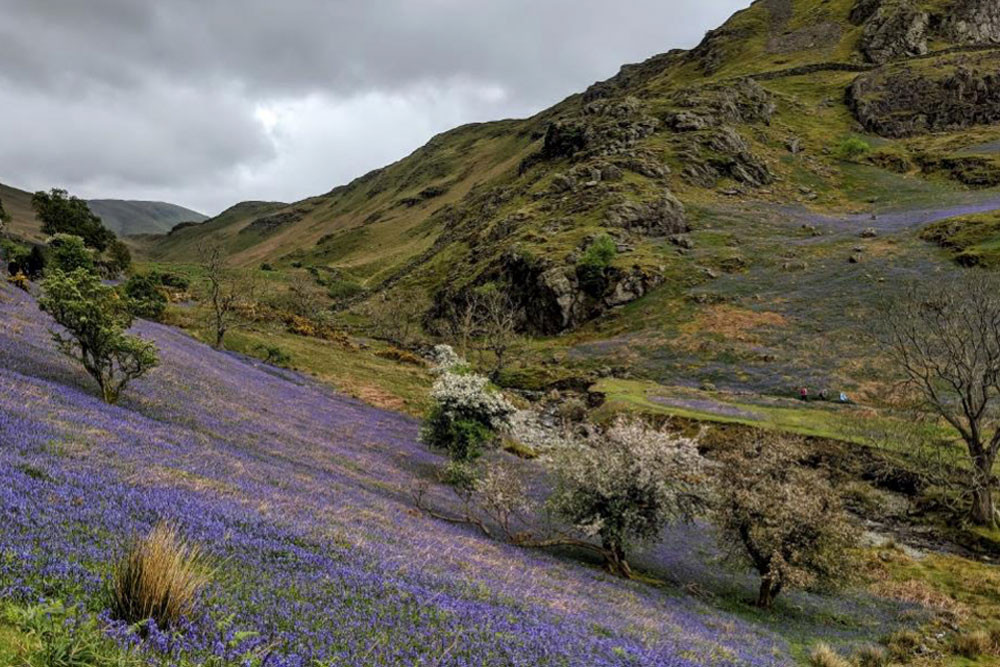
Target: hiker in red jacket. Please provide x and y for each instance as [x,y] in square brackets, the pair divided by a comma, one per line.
[804,393]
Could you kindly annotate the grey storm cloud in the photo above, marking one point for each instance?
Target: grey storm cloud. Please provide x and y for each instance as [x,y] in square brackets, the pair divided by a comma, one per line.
[166,96]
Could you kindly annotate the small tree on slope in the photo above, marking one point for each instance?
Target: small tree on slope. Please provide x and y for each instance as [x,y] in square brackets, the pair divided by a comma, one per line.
[229,293]
[782,519]
[625,484]
[95,318]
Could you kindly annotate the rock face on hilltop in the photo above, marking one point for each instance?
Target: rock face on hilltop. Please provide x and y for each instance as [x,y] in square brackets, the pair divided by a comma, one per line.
[973,22]
[893,28]
[957,92]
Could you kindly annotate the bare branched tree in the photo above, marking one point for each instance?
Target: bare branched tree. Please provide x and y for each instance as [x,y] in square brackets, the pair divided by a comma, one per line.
[304,298]
[484,320]
[498,321]
[461,320]
[231,294]
[394,316]
[945,337]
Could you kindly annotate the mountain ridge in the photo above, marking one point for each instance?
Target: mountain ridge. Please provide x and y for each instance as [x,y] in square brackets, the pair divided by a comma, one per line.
[123,217]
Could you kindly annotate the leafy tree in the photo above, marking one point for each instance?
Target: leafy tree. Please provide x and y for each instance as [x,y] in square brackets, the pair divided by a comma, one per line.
[945,338]
[61,213]
[145,298]
[95,318]
[623,485]
[68,253]
[782,519]
[468,413]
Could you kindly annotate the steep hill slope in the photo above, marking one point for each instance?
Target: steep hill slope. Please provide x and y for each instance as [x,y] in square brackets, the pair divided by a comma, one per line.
[17,203]
[735,180]
[125,218]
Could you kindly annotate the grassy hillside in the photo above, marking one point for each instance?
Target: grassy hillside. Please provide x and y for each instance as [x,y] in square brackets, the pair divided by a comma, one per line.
[17,203]
[125,218]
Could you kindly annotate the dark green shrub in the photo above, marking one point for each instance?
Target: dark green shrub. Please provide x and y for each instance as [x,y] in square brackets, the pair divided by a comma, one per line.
[266,267]
[853,148]
[172,280]
[116,260]
[22,259]
[274,355]
[464,439]
[592,267]
[145,298]
[343,289]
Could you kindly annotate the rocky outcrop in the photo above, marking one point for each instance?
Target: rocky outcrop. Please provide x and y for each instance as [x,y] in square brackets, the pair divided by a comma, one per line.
[948,94]
[552,298]
[663,216]
[270,223]
[710,55]
[864,10]
[819,36]
[741,102]
[972,170]
[896,28]
[602,128]
[723,153]
[972,22]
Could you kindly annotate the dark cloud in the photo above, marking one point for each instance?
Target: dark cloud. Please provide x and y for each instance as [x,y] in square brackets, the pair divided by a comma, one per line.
[165,96]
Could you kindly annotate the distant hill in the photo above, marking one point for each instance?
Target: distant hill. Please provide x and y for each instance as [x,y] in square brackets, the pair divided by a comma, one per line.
[142,217]
[122,217]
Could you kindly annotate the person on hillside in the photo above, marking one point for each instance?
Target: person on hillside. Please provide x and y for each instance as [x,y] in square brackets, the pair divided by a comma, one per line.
[804,394]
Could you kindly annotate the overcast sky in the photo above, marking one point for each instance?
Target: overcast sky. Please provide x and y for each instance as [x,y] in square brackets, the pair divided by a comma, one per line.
[205,103]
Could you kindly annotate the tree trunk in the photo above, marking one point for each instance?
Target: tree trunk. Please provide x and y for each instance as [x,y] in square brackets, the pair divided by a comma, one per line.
[983,512]
[615,561]
[769,590]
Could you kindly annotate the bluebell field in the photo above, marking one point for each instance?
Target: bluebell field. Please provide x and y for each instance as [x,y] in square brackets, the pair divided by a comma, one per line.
[302,499]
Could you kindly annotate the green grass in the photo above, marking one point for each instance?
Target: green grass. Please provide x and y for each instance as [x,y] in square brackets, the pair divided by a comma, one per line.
[642,396]
[50,635]
[972,240]
[352,367]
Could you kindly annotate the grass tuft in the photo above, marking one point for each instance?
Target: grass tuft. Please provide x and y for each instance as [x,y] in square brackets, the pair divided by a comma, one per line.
[824,656]
[159,578]
[973,644]
[871,656]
